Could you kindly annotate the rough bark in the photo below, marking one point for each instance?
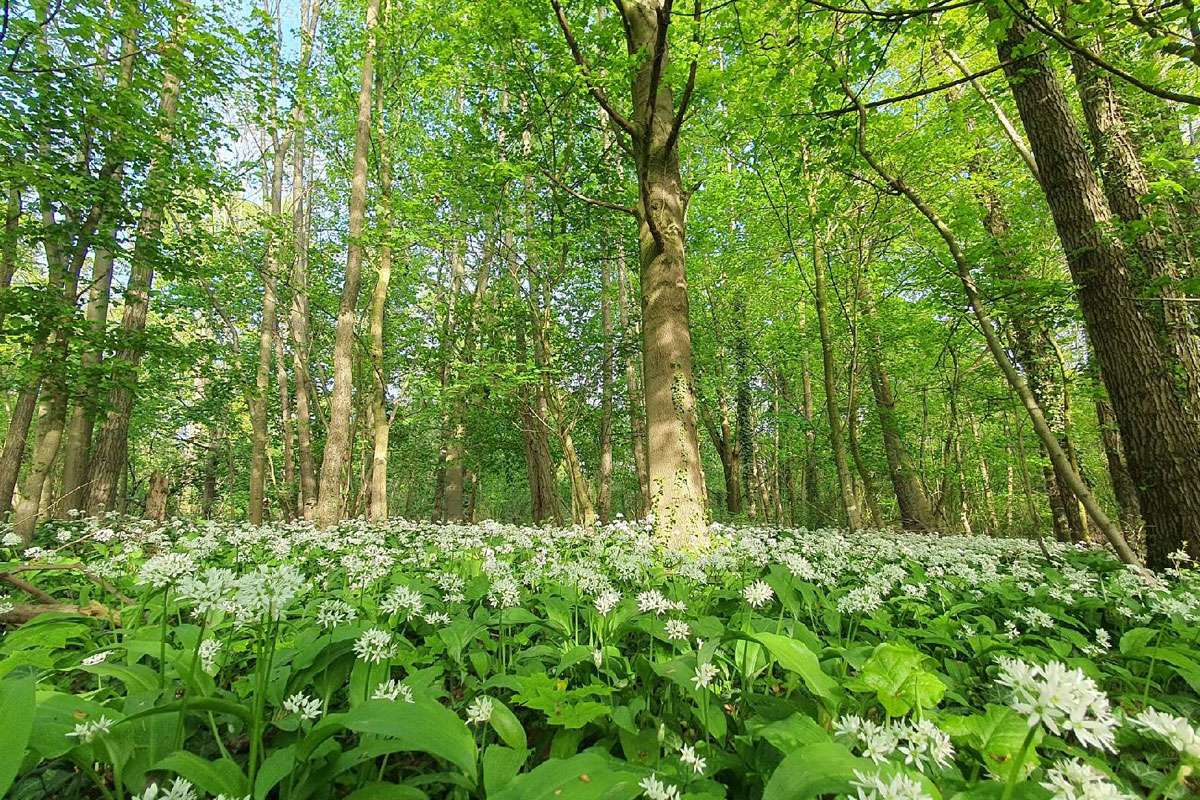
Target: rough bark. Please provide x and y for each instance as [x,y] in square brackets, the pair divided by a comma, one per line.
[337,439]
[1126,186]
[1159,430]
[677,493]
[17,434]
[156,497]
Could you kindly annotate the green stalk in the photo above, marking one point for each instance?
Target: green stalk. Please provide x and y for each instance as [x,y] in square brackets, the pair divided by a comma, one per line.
[1015,773]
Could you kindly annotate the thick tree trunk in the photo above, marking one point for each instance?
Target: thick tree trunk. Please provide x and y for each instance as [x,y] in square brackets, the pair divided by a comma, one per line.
[108,461]
[83,416]
[1126,187]
[1160,431]
[156,497]
[916,512]
[676,476]
[337,439]
[50,430]
[17,435]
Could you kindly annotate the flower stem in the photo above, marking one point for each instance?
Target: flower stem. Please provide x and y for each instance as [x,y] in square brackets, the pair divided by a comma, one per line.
[1018,763]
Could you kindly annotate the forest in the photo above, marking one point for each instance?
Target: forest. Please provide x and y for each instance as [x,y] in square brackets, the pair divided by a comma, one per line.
[600,399]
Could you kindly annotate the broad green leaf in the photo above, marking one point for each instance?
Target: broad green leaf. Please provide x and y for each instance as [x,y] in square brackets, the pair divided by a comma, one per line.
[424,726]
[500,765]
[215,777]
[586,776]
[17,701]
[815,769]
[506,725]
[796,657]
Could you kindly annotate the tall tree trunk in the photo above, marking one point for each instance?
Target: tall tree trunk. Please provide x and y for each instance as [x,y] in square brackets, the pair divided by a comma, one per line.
[108,461]
[677,495]
[50,429]
[1160,431]
[812,487]
[916,511]
[156,497]
[337,439]
[17,435]
[378,508]
[83,416]
[604,473]
[833,415]
[633,386]
[869,495]
[298,320]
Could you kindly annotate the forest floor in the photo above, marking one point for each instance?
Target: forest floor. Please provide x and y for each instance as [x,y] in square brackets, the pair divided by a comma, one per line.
[412,660]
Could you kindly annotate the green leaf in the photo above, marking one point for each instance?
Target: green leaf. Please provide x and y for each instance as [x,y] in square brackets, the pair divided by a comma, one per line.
[586,776]
[815,769]
[500,765]
[222,776]
[787,734]
[896,672]
[275,768]
[796,657]
[1134,641]
[506,725]
[424,726]
[17,700]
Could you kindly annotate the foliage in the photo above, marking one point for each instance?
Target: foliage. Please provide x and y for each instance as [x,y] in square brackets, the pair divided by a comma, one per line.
[411,660]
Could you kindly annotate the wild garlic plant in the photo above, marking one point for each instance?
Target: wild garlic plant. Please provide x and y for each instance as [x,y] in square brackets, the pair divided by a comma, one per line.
[500,661]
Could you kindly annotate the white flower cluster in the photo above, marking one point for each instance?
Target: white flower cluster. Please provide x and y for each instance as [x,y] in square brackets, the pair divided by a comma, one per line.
[1175,731]
[1077,780]
[655,789]
[1064,700]
[922,743]
[873,786]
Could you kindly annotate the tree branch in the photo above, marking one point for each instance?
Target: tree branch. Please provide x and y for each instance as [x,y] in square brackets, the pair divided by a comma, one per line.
[1041,25]
[690,86]
[590,200]
[598,93]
